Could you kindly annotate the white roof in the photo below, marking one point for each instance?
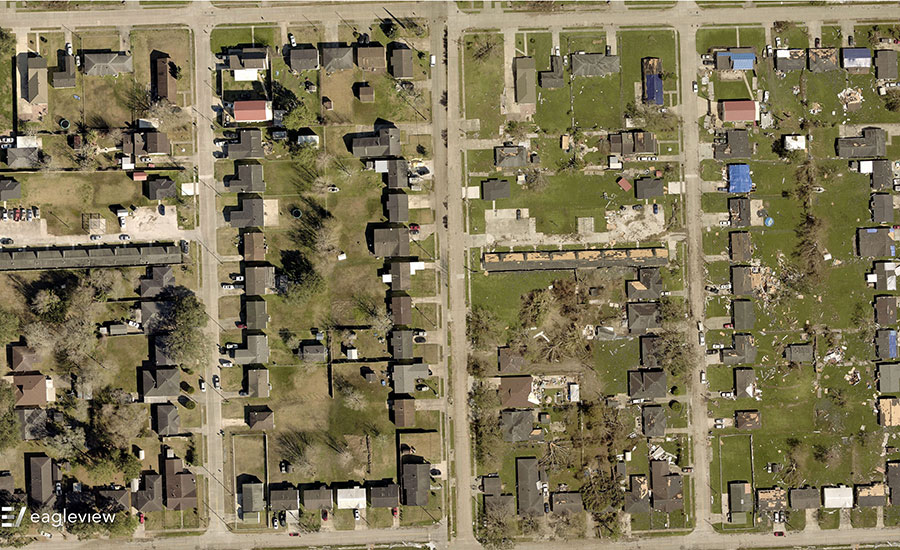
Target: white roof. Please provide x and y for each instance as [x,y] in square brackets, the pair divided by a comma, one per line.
[795,142]
[246,75]
[865,167]
[381,166]
[838,497]
[348,499]
[857,62]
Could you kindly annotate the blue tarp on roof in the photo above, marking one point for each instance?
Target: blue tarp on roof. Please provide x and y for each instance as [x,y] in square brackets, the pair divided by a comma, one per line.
[653,89]
[892,344]
[739,178]
[856,53]
[743,61]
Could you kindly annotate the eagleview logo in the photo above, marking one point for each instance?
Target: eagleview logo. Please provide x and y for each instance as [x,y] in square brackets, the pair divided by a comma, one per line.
[56,519]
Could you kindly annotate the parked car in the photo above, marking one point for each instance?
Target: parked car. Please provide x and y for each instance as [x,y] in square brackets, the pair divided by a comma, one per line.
[132,323]
[29,215]
[5,215]
[274,522]
[433,60]
[96,237]
[292,40]
[124,237]
[227,286]
[202,385]
[655,208]
[141,517]
[703,377]
[414,227]
[419,339]
[818,41]
[68,48]
[395,511]
[17,214]
[231,345]
[239,324]
[781,533]
[282,517]
[216,383]
[726,394]
[356,514]
[324,515]
[696,88]
[422,387]
[728,325]
[237,278]
[6,240]
[226,364]
[243,393]
[162,209]
[724,223]
[37,212]
[766,96]
[702,339]
[546,507]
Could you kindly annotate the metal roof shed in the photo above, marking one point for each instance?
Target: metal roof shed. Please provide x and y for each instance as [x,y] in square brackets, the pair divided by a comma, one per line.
[739,178]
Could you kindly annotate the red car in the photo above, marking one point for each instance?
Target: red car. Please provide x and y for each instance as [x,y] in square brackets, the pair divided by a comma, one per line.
[240,325]
[141,517]
[293,534]
[779,533]
[728,325]
[414,229]
[324,515]
[17,214]
[394,511]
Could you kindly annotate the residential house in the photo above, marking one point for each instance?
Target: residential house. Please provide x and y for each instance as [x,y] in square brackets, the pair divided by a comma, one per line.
[303,58]
[743,314]
[735,59]
[249,145]
[648,285]
[893,481]
[886,64]
[42,475]
[740,497]
[643,316]
[336,58]
[149,498]
[510,156]
[158,278]
[364,92]
[525,80]
[771,500]
[320,498]
[649,351]
[118,500]
[159,188]
[404,412]
[528,495]
[248,178]
[651,71]
[838,497]
[401,61]
[742,351]
[747,420]
[251,110]
[807,498]
[647,384]
[637,499]
[821,60]
[252,499]
[256,350]
[159,385]
[21,357]
[10,189]
[882,174]
[872,143]
[249,213]
[739,180]
[166,420]
[653,421]
[736,146]
[745,383]
[516,425]
[742,280]
[856,60]
[385,495]
[493,189]
[415,483]
[397,207]
[32,423]
[883,276]
[36,80]
[875,241]
[254,249]
[313,352]
[738,110]
[593,64]
[165,84]
[793,59]
[260,417]
[666,488]
[146,142]
[384,143]
[32,389]
[882,206]
[567,503]
[633,142]
[179,483]
[515,392]
[390,242]
[509,361]
[885,310]
[889,411]
[401,309]
[284,496]
[370,57]
[64,76]
[259,279]
[649,188]
[554,78]
[405,378]
[401,344]
[799,353]
[258,382]
[886,343]
[246,63]
[397,175]
[871,495]
[23,158]
[739,211]
[106,63]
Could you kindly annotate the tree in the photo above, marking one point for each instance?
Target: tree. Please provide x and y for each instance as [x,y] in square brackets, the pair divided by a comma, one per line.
[498,530]
[481,326]
[600,492]
[484,404]
[9,325]
[9,421]
[67,441]
[892,100]
[171,117]
[45,303]
[116,424]
[185,320]
[7,42]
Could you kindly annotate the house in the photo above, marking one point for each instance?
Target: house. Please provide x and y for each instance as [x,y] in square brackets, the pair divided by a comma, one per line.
[886,64]
[160,352]
[150,497]
[397,207]
[159,188]
[179,483]
[653,421]
[516,426]
[515,392]
[388,242]
[649,351]
[365,93]
[509,361]
[147,142]
[633,142]
[893,481]
[744,383]
[158,277]
[882,175]
[593,64]
[740,497]
[838,497]
[739,246]
[648,285]
[875,242]
[313,352]
[249,145]
[494,189]
[317,499]
[117,500]
[384,495]
[256,350]
[510,156]
[886,343]
[528,495]
[106,63]
[401,62]
[32,390]
[882,205]
[36,80]
[871,495]
[648,188]
[554,78]
[739,211]
[666,488]
[566,503]
[284,496]
[799,353]
[401,310]
[885,310]
[258,382]
[637,499]
[166,85]
[64,77]
[303,58]
[337,58]
[42,473]
[643,316]
[807,498]
[32,423]
[398,275]
[771,500]
[736,146]
[10,189]
[736,59]
[872,143]
[743,314]
[856,60]
[793,142]
[246,63]
[259,280]
[401,344]
[525,80]
[742,280]
[651,72]
[370,57]
[251,110]
[254,248]
[384,143]
[248,178]
[23,158]
[397,176]
[821,60]
[249,213]
[742,350]
[404,412]
[747,420]
[738,110]
[166,420]
[160,384]
[405,378]
[21,357]
[739,179]
[888,411]
[252,499]
[647,384]
[793,59]
[415,483]
[260,417]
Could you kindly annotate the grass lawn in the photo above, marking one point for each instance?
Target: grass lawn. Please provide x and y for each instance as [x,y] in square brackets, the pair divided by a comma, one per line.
[636,45]
[501,292]
[174,42]
[483,81]
[793,36]
[831,37]
[715,37]
[390,104]
[224,37]
[828,519]
[611,361]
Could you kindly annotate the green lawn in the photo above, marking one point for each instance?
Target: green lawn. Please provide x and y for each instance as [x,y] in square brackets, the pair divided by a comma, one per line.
[224,37]
[501,292]
[716,37]
[483,81]
[793,35]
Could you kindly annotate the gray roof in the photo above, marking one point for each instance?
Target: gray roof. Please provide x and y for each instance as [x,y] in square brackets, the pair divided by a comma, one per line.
[160,383]
[405,377]
[743,314]
[65,76]
[401,276]
[284,497]
[525,80]
[83,257]
[643,316]
[793,59]
[304,58]
[799,353]
[744,383]
[160,353]
[741,283]
[647,383]
[250,213]
[255,351]
[629,142]
[666,487]
[882,208]
[117,499]
[401,310]
[736,146]
[337,58]
[390,242]
[516,426]
[882,175]
[649,351]
[889,377]
[384,496]
[493,189]
[10,189]
[401,344]
[554,78]
[249,145]
[180,485]
[893,481]
[594,64]
[150,497]
[807,498]
[528,475]
[248,178]
[747,420]
[146,142]
[415,483]
[32,423]
[739,211]
[41,479]
[647,286]
[166,420]
[510,156]
[742,350]
[637,499]
[158,277]
[884,348]
[870,144]
[875,242]
[159,188]
[886,64]
[248,58]
[566,503]
[401,65]
[509,361]
[166,85]
[260,417]
[317,499]
[255,314]
[259,279]
[404,412]
[740,497]
[873,494]
[739,246]
[258,382]
[313,352]
[397,207]
[397,176]
[499,505]
[885,310]
[36,83]
[384,143]
[106,63]
[252,499]
[653,421]
[823,59]
[23,158]
[370,57]
[648,188]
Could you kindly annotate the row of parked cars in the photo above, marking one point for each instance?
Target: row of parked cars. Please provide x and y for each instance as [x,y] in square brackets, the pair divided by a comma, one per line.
[21,214]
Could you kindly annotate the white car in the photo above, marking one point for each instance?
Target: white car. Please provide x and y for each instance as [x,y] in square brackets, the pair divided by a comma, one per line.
[356,514]
[274,523]
[227,286]
[703,377]
[231,345]
[724,223]
[68,48]
[216,383]
[433,60]
[134,324]
[202,385]
[238,278]
[227,364]
[695,87]
[766,96]
[292,40]
[702,339]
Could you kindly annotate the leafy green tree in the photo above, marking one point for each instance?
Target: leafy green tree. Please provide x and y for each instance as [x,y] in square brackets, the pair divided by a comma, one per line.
[9,422]
[185,320]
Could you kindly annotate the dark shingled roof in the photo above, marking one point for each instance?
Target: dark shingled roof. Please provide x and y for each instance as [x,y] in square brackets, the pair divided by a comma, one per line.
[384,496]
[284,497]
[249,145]
[166,420]
[882,175]
[744,383]
[882,208]
[630,142]
[249,213]
[390,242]
[742,350]
[510,156]
[893,481]
[397,207]
[647,383]
[554,77]
[509,361]
[159,188]
[875,242]
[525,80]
[666,487]
[527,493]
[807,498]
[514,391]
[493,189]
[637,499]
[384,143]
[401,62]
[305,57]
[415,483]
[337,58]
[736,146]
[106,63]
[739,210]
[648,188]
[643,316]
[886,64]
[739,246]
[516,426]
[248,178]
[799,353]
[870,144]
[648,285]
[885,310]
[150,497]
[566,503]
[653,421]
[741,283]
[743,314]
[594,64]
[740,497]
[790,59]
[317,499]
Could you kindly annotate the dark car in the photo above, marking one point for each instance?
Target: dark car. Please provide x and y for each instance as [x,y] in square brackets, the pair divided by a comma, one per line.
[656,209]
[435,472]
[546,507]
[162,209]
[637,207]
[324,515]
